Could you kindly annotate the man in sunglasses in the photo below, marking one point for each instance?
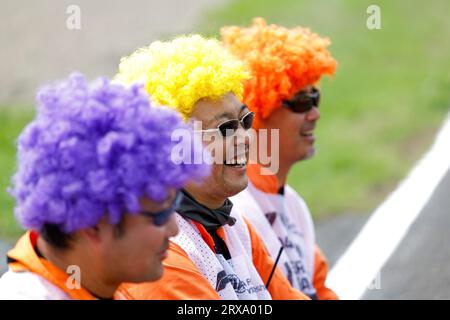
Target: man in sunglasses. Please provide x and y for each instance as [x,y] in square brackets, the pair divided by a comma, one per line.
[216,254]
[96,188]
[286,65]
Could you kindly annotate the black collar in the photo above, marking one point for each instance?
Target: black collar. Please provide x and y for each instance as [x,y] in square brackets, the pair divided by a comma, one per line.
[211,219]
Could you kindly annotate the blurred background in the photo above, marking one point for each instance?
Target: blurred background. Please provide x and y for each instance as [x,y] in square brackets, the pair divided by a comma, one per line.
[379,113]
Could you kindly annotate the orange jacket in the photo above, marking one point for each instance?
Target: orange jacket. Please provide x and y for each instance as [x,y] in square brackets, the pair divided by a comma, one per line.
[24,258]
[183,281]
[320,276]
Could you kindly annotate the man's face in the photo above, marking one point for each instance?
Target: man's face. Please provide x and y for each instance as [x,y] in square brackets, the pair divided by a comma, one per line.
[296,132]
[135,253]
[227,177]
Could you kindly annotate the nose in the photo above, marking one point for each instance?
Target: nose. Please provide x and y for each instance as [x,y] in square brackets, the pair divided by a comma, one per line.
[172,226]
[242,137]
[313,114]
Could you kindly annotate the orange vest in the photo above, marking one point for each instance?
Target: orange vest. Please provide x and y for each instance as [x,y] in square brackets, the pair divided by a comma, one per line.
[24,258]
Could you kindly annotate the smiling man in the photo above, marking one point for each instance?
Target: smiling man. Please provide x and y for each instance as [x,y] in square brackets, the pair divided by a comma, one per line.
[286,65]
[216,254]
[96,188]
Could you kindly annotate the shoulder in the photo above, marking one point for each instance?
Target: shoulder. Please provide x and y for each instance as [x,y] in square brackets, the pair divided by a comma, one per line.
[295,200]
[179,260]
[244,199]
[28,286]
[181,280]
[247,205]
[293,195]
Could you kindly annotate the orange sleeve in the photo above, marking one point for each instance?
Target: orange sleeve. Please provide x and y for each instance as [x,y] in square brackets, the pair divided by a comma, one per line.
[181,281]
[279,287]
[320,275]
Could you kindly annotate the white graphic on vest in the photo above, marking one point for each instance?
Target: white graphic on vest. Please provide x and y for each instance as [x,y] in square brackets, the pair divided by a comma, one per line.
[289,226]
[296,267]
[238,285]
[271,216]
[285,221]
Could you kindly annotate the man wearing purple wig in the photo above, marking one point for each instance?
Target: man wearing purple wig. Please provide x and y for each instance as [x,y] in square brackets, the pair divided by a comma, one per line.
[96,188]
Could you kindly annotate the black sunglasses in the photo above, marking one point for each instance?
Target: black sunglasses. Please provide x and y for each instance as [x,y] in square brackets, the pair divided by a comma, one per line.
[229,127]
[161,217]
[303,101]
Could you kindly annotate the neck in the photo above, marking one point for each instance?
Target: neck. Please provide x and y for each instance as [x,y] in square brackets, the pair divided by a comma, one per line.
[63,259]
[210,201]
[281,175]
[283,167]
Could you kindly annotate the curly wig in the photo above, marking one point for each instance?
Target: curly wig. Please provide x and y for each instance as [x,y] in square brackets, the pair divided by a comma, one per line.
[94,150]
[180,72]
[281,61]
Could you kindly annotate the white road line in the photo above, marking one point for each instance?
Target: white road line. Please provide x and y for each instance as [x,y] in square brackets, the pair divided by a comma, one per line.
[358,266]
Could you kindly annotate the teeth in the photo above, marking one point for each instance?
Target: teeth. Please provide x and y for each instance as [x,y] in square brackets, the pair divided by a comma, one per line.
[241,160]
[238,161]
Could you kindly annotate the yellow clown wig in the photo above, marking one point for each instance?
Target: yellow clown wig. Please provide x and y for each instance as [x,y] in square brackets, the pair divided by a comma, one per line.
[180,72]
[281,61]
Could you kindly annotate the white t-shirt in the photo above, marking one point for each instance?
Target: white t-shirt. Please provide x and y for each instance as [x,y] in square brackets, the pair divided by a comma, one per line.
[283,220]
[29,286]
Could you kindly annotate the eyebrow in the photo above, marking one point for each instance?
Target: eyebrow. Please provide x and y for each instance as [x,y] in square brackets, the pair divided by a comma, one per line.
[224,115]
[243,107]
[229,115]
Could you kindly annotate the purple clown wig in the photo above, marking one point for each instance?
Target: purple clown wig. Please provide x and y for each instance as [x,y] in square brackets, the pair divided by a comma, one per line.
[94,150]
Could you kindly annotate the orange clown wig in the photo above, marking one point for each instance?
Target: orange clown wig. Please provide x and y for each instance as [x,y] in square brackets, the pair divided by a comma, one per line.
[281,61]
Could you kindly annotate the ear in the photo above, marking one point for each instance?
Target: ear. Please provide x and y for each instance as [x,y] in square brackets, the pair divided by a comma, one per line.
[92,234]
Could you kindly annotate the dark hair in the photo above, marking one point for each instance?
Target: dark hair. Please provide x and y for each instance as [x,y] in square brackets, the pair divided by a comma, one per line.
[55,237]
[119,228]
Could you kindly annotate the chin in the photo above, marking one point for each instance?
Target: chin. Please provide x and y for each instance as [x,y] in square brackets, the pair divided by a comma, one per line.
[241,186]
[307,154]
[233,182]
[235,187]
[153,273]
[156,274]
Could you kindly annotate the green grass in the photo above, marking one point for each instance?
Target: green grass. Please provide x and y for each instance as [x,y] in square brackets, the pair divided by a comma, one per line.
[380,112]
[12,121]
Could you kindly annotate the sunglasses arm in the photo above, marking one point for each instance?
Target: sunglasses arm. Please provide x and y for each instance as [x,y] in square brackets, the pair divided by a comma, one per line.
[208,130]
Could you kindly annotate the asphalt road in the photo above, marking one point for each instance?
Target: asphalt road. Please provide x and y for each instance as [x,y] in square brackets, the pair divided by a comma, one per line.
[420,266]
[4,247]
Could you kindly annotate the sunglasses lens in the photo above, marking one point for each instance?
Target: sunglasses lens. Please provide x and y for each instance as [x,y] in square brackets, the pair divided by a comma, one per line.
[247,120]
[316,97]
[229,128]
[304,102]
[302,106]
[162,217]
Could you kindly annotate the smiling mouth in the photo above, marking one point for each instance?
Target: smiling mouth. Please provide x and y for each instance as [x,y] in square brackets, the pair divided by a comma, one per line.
[237,162]
[165,248]
[309,133]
